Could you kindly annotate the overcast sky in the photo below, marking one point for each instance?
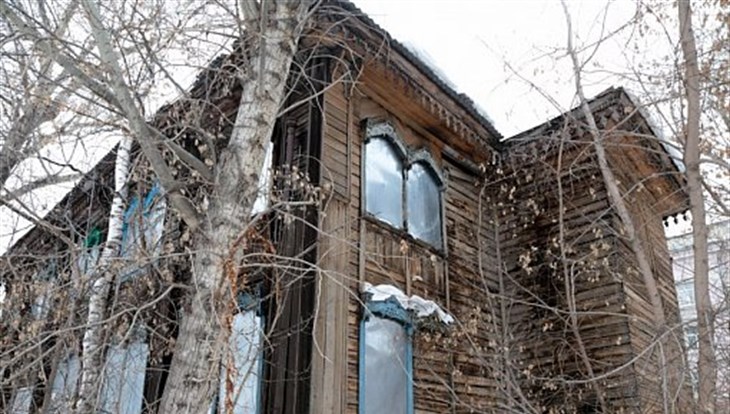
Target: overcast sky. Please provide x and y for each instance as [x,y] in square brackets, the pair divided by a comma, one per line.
[508,56]
[499,51]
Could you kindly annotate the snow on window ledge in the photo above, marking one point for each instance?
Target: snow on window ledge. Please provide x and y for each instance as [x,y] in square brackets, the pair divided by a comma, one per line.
[420,307]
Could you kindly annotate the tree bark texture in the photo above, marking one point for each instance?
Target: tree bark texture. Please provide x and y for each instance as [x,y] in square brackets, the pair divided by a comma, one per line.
[194,369]
[91,359]
[706,365]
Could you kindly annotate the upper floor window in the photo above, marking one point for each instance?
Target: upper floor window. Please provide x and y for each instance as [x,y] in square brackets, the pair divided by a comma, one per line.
[91,251]
[402,188]
[142,230]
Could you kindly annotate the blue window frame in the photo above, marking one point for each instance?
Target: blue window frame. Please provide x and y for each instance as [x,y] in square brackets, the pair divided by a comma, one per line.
[386,359]
[142,231]
[243,364]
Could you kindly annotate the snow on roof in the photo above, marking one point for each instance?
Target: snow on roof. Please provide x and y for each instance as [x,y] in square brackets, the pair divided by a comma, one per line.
[430,63]
[421,307]
[428,60]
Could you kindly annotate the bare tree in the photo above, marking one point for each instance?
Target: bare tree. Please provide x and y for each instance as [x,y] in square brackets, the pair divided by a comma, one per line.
[110,68]
[707,369]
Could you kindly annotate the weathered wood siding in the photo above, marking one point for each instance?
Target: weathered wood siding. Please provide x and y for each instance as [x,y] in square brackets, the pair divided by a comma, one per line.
[450,374]
[544,347]
[645,198]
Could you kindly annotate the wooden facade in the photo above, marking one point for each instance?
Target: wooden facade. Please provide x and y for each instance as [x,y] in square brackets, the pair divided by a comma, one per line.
[500,272]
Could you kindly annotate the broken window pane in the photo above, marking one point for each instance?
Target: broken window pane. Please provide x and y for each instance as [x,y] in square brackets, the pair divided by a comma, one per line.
[243,370]
[384,182]
[424,205]
[123,382]
[64,385]
[387,375]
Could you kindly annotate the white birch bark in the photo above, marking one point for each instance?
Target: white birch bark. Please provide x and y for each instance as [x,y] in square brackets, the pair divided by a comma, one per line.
[194,370]
[706,364]
[102,280]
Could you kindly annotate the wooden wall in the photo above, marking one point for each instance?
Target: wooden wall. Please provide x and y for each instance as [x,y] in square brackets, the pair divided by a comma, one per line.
[545,348]
[644,199]
[613,313]
[451,374]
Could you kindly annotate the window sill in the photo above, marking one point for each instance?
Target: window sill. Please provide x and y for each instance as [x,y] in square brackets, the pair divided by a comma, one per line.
[402,234]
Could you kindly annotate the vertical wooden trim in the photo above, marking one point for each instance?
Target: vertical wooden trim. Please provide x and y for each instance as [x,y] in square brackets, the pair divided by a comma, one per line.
[348,137]
[407,261]
[361,365]
[409,370]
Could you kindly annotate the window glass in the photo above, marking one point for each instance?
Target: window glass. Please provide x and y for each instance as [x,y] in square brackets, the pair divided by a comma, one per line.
[262,199]
[142,231]
[243,366]
[123,382]
[685,293]
[22,401]
[691,336]
[130,228]
[44,279]
[386,367]
[64,385]
[424,205]
[384,182]
[88,258]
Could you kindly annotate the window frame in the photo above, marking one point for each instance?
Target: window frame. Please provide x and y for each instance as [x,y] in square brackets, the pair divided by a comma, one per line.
[385,130]
[136,350]
[388,309]
[247,302]
[152,201]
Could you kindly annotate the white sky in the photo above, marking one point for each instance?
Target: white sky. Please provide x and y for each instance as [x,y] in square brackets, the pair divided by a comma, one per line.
[508,56]
[493,50]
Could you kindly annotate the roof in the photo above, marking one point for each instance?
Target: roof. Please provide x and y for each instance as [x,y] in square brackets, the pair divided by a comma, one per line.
[668,156]
[432,73]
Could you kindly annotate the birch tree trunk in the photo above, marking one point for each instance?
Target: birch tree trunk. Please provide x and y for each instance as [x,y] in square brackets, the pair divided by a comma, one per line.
[706,365]
[195,366]
[91,360]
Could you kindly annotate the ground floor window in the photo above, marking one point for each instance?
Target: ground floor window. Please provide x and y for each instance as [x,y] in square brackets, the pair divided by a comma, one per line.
[240,382]
[389,321]
[387,363]
[386,360]
[123,379]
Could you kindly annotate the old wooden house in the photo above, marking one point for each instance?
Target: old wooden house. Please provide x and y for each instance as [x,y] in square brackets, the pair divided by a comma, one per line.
[419,271]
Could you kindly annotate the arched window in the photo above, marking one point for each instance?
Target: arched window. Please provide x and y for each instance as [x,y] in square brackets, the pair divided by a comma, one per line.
[384,182]
[424,204]
[401,188]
